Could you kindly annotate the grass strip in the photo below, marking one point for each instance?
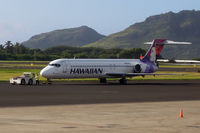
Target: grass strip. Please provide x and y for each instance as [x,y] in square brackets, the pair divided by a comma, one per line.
[6,74]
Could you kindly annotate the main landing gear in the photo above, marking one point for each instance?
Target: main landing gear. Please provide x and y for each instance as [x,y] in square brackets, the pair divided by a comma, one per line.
[103,80]
[123,81]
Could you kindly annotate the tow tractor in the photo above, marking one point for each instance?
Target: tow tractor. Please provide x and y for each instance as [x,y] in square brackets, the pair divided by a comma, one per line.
[28,78]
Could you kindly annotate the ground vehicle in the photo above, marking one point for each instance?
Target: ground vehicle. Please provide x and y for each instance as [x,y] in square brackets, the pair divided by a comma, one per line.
[27,78]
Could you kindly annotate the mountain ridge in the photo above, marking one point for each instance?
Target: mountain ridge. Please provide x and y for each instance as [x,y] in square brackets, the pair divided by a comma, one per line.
[181,26]
[76,37]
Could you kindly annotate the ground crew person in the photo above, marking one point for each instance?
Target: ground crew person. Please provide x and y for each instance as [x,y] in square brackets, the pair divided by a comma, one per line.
[37,79]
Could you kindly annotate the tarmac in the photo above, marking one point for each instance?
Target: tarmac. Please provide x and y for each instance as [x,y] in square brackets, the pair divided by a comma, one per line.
[89,107]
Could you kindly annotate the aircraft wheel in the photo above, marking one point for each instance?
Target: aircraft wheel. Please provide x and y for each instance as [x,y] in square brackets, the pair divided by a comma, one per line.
[23,82]
[103,80]
[49,81]
[30,82]
[123,81]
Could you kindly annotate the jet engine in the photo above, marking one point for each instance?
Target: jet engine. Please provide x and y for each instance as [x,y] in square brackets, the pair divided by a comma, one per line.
[137,68]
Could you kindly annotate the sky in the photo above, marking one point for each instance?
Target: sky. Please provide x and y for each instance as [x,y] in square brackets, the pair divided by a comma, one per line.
[21,19]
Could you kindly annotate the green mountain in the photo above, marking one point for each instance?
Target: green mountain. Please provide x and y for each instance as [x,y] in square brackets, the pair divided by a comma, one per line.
[182,26]
[67,37]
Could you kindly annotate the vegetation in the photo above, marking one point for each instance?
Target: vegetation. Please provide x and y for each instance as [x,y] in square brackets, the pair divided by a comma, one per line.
[10,51]
[10,69]
[6,74]
[182,26]
[66,37]
[198,59]
[187,76]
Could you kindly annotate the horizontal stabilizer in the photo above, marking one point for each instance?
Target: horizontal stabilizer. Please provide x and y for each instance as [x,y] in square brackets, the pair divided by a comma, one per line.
[179,61]
[170,42]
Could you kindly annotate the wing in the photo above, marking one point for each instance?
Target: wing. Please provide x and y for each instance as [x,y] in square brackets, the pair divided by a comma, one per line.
[137,74]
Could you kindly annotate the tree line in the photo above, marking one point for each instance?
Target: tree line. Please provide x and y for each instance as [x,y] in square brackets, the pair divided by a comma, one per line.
[10,51]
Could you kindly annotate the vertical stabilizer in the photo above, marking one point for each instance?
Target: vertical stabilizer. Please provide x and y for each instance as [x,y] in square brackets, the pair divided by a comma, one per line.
[154,51]
[156,48]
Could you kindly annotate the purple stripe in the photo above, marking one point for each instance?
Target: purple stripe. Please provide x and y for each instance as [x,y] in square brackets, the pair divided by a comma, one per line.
[149,68]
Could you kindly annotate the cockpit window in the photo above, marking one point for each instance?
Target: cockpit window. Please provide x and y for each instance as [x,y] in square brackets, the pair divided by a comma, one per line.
[56,65]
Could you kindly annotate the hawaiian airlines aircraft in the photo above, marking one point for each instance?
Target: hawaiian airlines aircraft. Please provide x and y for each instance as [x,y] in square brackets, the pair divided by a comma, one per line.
[108,68]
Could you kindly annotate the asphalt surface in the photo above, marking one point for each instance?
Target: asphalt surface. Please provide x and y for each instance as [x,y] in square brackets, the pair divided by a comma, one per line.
[64,93]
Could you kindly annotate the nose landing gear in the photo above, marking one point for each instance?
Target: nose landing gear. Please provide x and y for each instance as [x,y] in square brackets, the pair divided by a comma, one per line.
[49,81]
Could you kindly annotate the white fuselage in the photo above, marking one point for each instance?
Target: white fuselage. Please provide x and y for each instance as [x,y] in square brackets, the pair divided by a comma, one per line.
[91,68]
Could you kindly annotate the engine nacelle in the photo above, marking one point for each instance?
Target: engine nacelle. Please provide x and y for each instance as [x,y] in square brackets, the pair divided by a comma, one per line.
[137,68]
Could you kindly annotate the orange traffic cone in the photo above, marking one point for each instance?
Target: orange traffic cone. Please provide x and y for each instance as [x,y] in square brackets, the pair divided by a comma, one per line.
[181,113]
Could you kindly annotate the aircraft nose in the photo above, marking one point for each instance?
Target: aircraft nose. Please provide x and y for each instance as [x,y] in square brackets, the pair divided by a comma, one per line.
[44,73]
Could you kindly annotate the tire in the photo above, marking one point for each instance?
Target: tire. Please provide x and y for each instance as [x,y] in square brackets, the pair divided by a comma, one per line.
[103,80]
[23,82]
[37,82]
[30,82]
[123,81]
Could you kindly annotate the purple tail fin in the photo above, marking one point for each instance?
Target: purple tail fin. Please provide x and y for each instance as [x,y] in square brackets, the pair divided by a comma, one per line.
[154,51]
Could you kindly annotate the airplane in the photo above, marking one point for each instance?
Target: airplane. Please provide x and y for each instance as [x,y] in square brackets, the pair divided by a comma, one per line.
[108,68]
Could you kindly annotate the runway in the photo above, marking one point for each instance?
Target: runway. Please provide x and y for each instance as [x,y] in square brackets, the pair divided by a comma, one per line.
[91,92]
[90,107]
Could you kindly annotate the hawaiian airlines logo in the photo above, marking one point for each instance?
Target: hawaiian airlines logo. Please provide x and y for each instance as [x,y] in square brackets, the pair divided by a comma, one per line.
[86,71]
[153,54]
